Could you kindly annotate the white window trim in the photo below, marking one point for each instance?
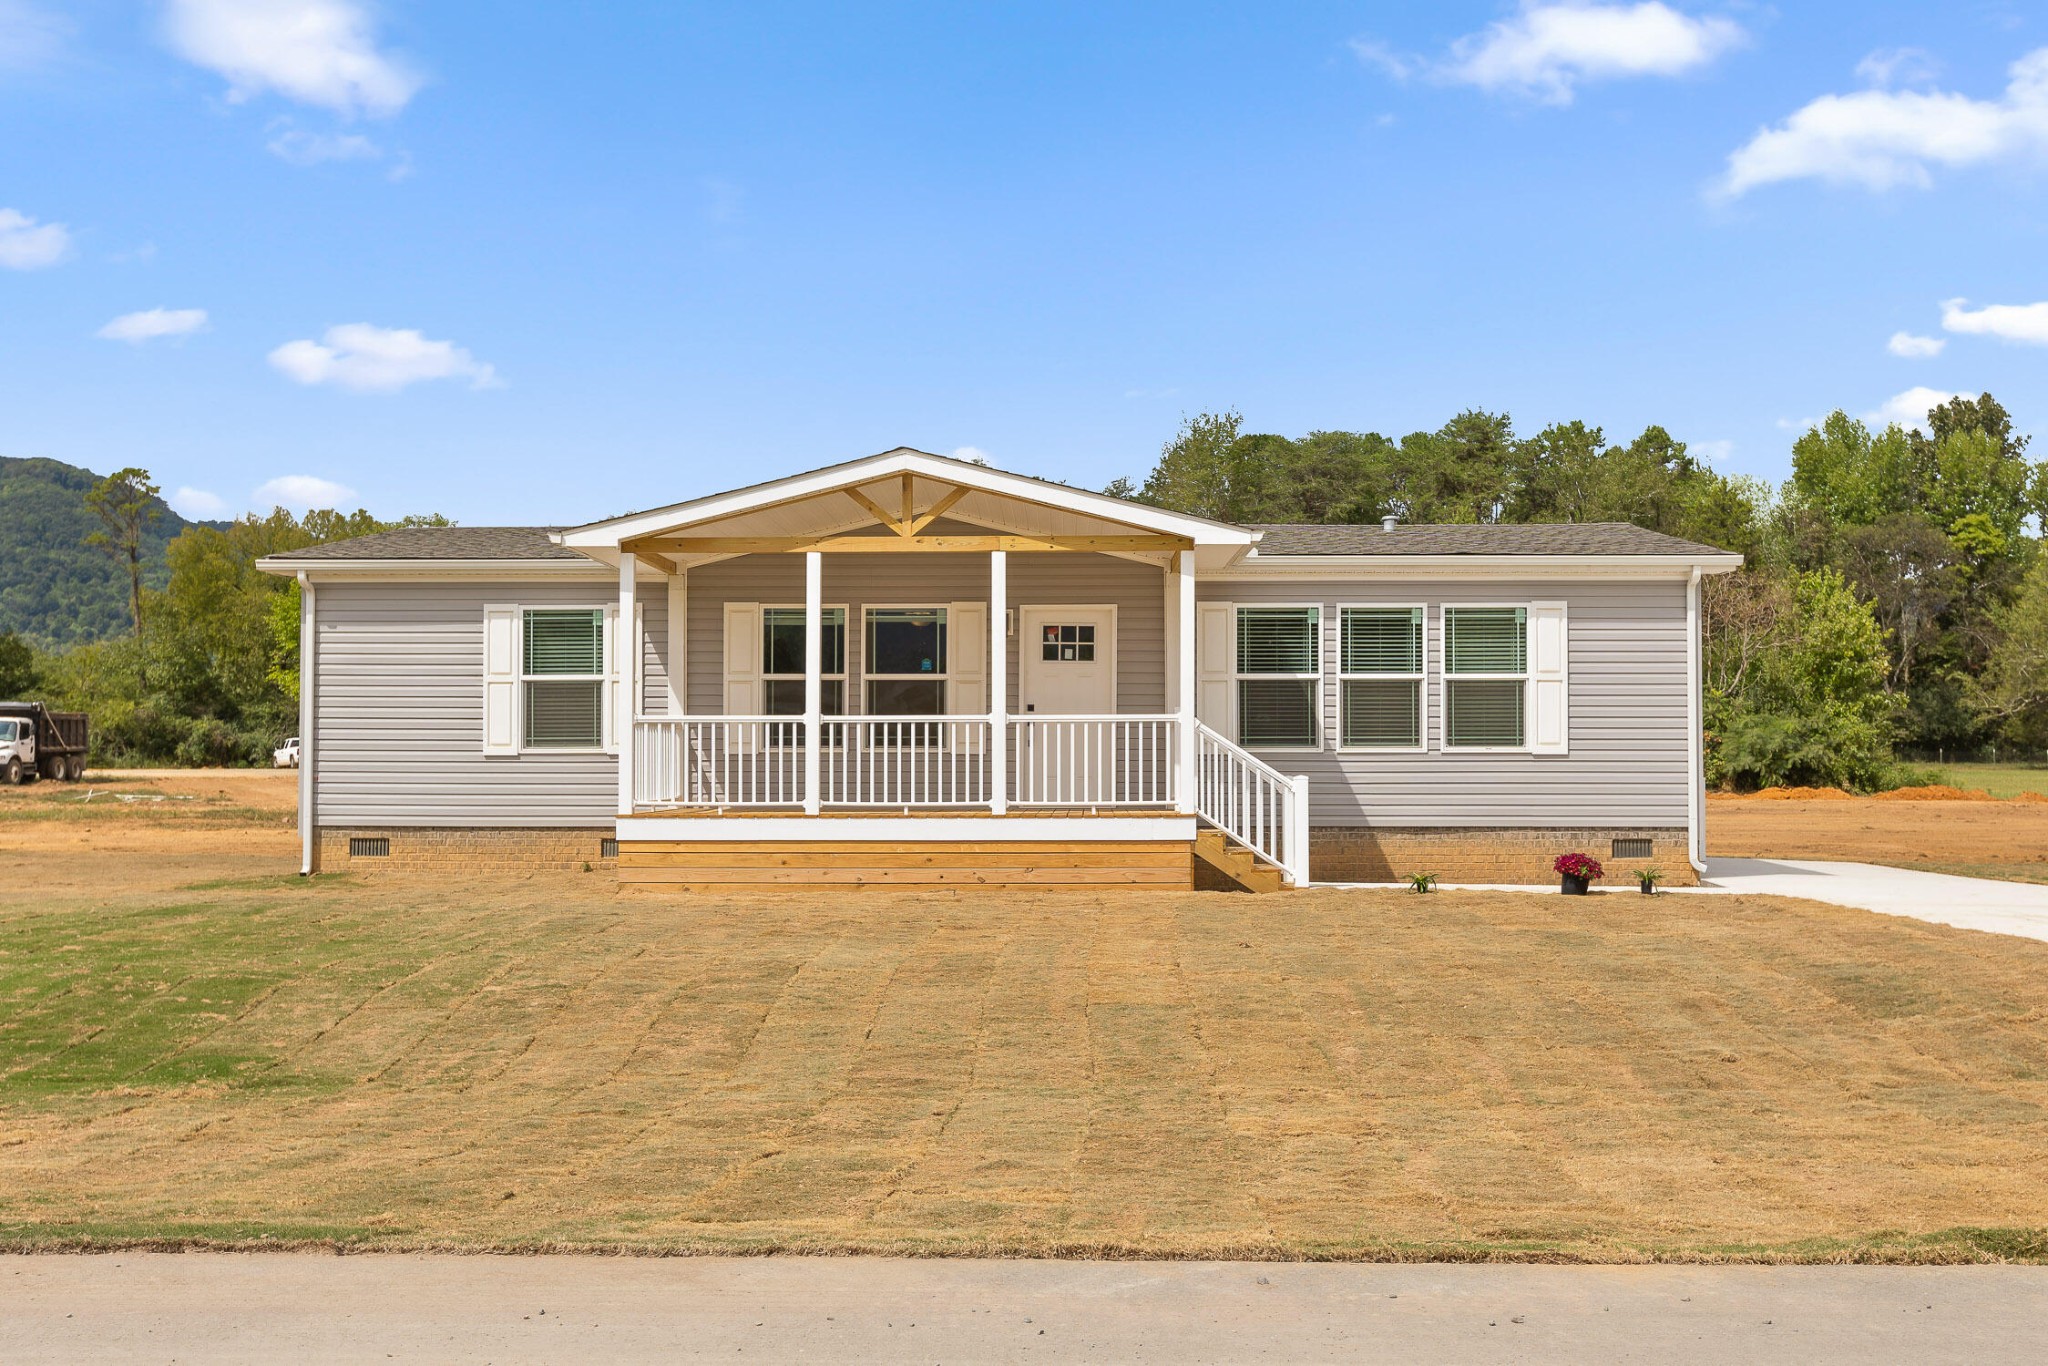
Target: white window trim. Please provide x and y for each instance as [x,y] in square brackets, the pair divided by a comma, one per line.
[867,676]
[605,611]
[766,678]
[1237,678]
[1445,678]
[1420,678]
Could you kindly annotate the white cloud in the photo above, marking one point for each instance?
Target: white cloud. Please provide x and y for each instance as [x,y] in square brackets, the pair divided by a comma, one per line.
[974,454]
[303,148]
[302,491]
[29,36]
[197,504]
[1880,139]
[1546,50]
[1910,408]
[152,323]
[319,52]
[1914,348]
[1890,66]
[28,245]
[2008,322]
[374,360]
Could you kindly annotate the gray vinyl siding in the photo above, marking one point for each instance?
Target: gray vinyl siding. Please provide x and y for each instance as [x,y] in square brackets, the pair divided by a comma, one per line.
[399,735]
[1626,662]
[1138,591]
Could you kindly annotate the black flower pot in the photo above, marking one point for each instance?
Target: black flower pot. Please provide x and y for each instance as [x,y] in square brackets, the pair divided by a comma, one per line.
[1575,886]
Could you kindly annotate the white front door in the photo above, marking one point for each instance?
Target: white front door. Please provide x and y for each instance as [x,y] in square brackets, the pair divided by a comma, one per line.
[1066,661]
[1066,666]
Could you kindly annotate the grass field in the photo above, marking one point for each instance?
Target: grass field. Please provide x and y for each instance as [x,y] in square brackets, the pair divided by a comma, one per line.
[198,1047]
[2000,780]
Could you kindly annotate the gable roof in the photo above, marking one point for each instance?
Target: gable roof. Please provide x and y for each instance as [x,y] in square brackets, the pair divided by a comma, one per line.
[1526,538]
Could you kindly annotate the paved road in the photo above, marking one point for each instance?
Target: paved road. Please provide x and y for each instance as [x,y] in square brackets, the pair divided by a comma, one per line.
[1970,903]
[311,1307]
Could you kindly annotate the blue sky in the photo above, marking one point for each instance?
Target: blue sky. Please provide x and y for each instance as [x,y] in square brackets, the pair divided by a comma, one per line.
[517,262]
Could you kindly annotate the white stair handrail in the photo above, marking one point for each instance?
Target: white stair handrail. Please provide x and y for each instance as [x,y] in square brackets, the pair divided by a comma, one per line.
[1252,802]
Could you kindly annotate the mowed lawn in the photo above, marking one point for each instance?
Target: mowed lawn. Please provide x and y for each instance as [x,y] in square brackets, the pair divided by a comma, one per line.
[195,1045]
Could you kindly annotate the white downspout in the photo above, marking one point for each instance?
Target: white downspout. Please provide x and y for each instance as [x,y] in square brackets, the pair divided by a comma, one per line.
[1696,781]
[309,673]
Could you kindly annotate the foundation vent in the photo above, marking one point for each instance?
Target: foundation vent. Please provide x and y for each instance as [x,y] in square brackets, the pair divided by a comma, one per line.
[1637,848]
[369,846]
[607,848]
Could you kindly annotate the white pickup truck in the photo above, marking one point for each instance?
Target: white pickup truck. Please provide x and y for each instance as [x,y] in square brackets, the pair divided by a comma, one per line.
[17,749]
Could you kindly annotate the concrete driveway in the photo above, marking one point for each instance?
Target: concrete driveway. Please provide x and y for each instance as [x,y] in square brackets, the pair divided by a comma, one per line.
[1969,903]
[320,1307]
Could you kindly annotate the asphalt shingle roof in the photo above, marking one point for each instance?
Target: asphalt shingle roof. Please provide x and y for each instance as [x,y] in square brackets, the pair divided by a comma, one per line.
[444,543]
[1539,538]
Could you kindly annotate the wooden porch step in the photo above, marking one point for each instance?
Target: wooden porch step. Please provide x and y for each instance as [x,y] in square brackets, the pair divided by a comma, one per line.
[1237,863]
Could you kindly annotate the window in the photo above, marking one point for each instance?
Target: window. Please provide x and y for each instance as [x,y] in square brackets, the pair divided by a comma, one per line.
[1486,677]
[782,661]
[906,661]
[1379,670]
[1072,643]
[563,679]
[1279,676]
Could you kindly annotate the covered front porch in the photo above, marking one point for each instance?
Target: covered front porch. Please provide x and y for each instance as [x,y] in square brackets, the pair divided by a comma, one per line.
[967,657]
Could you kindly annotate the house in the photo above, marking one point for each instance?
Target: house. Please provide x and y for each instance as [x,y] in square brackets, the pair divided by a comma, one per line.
[908,668]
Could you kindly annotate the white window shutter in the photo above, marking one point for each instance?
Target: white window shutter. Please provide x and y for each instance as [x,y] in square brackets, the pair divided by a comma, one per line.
[743,659]
[1549,690]
[617,707]
[501,679]
[1216,667]
[967,658]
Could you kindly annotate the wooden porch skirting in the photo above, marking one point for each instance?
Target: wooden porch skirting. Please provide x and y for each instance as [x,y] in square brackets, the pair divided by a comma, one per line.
[756,865]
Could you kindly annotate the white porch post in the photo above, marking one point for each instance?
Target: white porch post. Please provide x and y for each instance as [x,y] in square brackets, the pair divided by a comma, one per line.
[998,681]
[626,638]
[814,682]
[1184,573]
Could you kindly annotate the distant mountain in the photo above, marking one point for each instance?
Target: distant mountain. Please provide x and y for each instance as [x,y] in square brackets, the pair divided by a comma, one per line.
[54,588]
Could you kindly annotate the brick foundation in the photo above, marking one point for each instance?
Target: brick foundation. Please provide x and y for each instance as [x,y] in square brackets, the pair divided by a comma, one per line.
[434,850]
[1352,854]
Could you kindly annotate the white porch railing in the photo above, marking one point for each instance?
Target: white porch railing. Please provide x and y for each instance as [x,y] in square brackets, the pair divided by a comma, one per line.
[1252,802]
[905,761]
[1093,760]
[718,761]
[945,761]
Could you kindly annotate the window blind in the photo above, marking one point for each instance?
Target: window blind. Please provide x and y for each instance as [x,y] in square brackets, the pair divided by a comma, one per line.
[1483,713]
[1276,640]
[1381,640]
[565,642]
[1486,640]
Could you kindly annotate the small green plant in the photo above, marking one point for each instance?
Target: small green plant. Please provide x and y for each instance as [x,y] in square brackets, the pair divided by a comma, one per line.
[1647,880]
[1422,882]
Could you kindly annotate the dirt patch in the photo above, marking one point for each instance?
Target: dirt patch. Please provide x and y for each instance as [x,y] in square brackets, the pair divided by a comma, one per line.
[173,813]
[1799,794]
[1987,835]
[1938,792]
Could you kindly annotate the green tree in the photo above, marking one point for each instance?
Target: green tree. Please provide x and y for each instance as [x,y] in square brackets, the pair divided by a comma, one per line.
[17,667]
[126,502]
[1812,708]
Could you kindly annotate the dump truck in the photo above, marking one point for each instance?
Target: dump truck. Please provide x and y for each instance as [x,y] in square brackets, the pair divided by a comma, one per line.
[47,744]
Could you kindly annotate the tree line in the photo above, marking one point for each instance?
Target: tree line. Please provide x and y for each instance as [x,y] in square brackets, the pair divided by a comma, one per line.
[207,673]
[1893,600]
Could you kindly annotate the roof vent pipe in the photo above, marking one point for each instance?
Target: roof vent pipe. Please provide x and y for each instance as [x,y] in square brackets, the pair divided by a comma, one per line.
[1389,522]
